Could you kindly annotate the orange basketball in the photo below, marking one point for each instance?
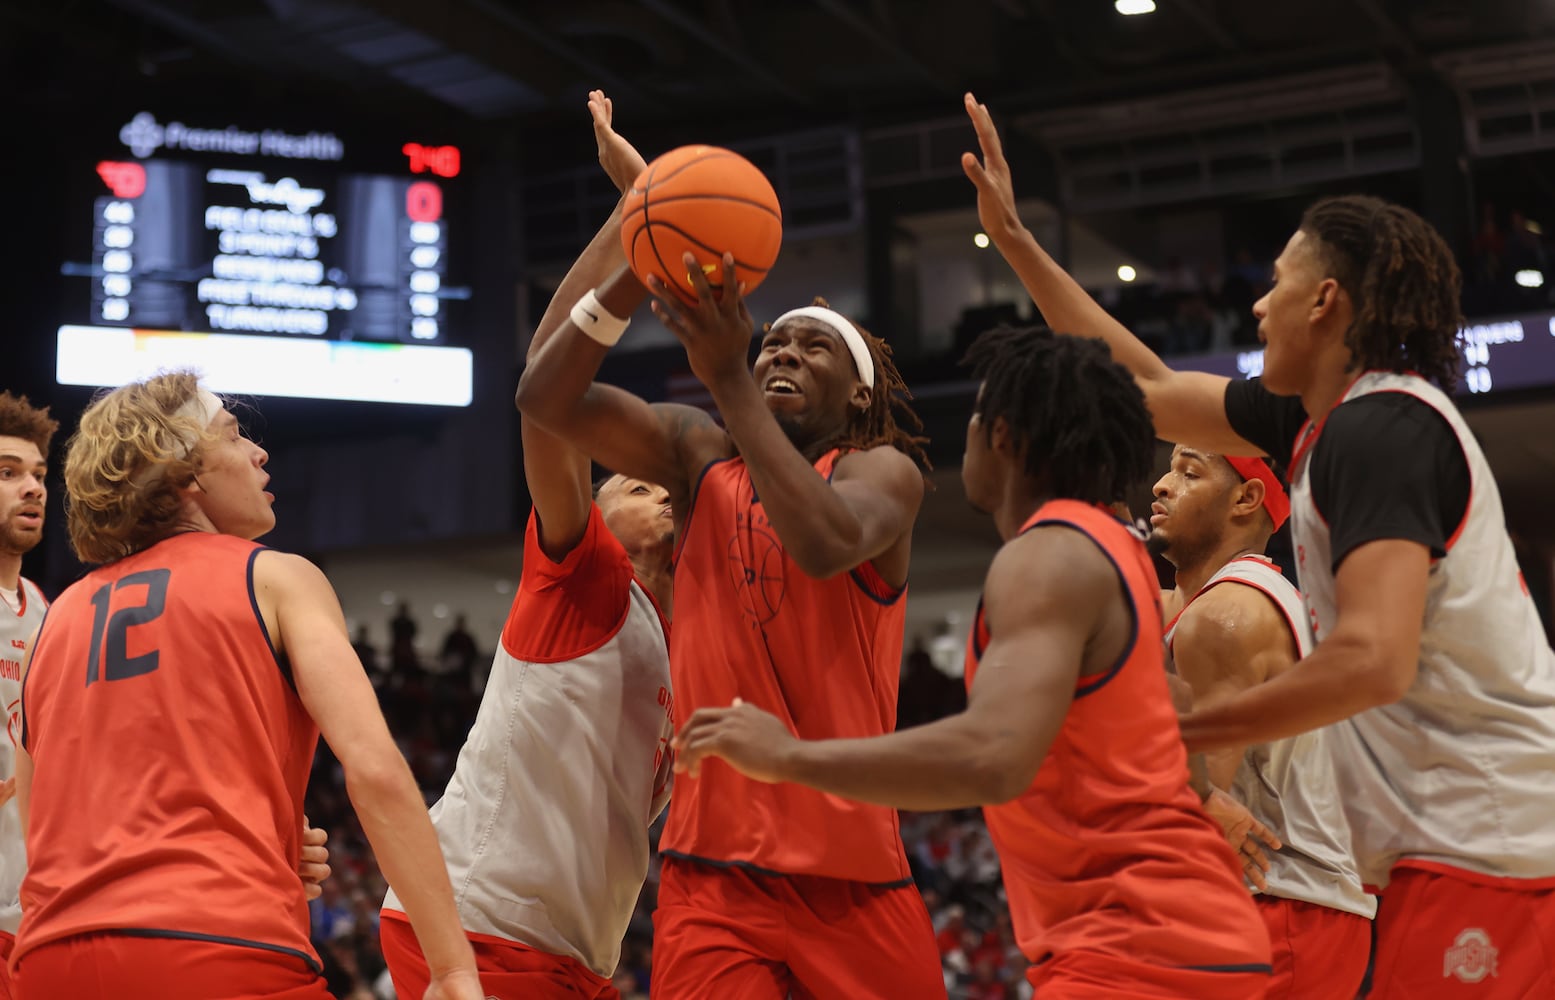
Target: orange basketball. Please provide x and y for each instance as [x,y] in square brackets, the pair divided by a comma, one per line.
[708,201]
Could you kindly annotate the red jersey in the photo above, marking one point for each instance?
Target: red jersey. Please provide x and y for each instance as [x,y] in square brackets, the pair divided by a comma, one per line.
[822,655]
[1109,850]
[170,756]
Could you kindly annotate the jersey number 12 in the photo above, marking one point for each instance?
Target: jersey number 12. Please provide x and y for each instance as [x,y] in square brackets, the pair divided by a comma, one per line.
[110,633]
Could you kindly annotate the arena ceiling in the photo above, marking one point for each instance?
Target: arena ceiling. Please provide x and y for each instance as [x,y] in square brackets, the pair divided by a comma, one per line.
[767,64]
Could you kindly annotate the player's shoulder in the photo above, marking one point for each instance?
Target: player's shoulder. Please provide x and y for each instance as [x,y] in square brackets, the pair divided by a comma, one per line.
[1230,614]
[276,569]
[1053,562]
[882,463]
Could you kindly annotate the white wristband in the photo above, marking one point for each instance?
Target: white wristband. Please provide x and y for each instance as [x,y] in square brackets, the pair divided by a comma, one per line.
[591,318]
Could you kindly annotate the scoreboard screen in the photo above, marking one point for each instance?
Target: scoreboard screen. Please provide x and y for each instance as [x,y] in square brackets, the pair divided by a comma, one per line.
[271,263]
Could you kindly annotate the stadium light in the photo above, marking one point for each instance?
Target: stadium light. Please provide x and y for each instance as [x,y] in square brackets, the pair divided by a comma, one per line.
[981,239]
[1126,273]
[1530,278]
[1135,6]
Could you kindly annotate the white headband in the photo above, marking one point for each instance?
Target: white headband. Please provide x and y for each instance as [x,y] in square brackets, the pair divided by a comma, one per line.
[202,407]
[862,360]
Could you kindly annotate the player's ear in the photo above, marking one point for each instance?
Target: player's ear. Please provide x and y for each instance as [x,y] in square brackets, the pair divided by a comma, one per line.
[1249,499]
[862,396]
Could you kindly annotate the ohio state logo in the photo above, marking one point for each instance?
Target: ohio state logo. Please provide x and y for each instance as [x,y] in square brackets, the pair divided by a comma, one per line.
[1471,958]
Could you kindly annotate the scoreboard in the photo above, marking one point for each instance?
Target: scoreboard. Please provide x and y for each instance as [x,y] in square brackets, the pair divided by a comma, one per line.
[272,262]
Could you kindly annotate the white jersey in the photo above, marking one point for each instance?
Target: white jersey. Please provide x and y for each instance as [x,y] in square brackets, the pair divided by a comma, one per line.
[1460,772]
[1289,785]
[16,631]
[544,824]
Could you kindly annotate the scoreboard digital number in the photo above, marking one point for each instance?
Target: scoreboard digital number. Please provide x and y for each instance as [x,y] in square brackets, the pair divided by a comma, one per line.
[262,259]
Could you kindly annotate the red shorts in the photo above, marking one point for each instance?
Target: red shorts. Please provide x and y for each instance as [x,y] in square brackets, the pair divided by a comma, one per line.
[1090,975]
[159,968]
[728,932]
[509,970]
[1442,936]
[7,944]
[1320,953]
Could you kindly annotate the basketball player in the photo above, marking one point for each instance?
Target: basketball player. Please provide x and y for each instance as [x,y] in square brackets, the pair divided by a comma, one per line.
[545,822]
[1118,883]
[1429,652]
[795,529]
[1233,621]
[178,691]
[25,432]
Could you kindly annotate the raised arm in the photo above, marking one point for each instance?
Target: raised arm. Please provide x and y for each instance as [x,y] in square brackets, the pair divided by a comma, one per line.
[869,505]
[1186,406]
[1369,658]
[302,613]
[556,472]
[1044,595]
[661,443]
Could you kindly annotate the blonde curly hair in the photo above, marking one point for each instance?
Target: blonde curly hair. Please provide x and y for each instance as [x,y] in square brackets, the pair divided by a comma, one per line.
[134,452]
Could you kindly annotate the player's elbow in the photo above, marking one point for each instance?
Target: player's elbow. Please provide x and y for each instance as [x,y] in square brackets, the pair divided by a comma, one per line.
[528,398]
[999,774]
[1386,669]
[830,553]
[1390,674]
[375,780]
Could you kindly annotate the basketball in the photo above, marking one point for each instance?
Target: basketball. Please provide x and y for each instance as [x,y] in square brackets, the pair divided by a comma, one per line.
[708,201]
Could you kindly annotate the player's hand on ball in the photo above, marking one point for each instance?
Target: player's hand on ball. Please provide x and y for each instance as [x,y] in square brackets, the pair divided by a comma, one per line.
[313,868]
[621,160]
[753,742]
[716,330]
[1244,833]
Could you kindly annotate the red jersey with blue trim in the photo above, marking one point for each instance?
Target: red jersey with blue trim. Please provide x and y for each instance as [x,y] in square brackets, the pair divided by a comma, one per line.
[822,655]
[1109,850]
[170,756]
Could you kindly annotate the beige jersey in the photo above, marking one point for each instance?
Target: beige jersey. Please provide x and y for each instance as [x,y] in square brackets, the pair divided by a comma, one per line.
[16,631]
[544,825]
[1289,785]
[1460,772]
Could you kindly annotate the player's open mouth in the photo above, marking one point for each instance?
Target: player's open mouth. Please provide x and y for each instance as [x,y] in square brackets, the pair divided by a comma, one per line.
[1157,515]
[779,385]
[30,517]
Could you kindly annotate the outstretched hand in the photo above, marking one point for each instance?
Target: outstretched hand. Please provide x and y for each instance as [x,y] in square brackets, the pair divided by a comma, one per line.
[716,330]
[1244,832]
[991,177]
[621,160]
[753,742]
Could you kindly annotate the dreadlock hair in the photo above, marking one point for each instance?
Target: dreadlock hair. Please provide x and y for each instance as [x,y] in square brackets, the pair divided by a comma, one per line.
[1077,418]
[1402,279]
[20,419]
[877,425]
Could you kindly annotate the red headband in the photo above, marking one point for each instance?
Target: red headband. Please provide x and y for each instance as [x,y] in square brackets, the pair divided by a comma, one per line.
[1275,500]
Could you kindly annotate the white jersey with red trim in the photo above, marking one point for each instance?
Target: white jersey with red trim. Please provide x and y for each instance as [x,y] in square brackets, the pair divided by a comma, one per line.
[1289,785]
[17,628]
[1460,772]
[544,825]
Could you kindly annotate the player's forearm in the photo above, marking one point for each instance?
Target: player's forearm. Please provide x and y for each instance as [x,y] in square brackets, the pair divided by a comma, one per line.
[1337,681]
[602,258]
[560,371]
[1068,308]
[943,765]
[816,526]
[394,817]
